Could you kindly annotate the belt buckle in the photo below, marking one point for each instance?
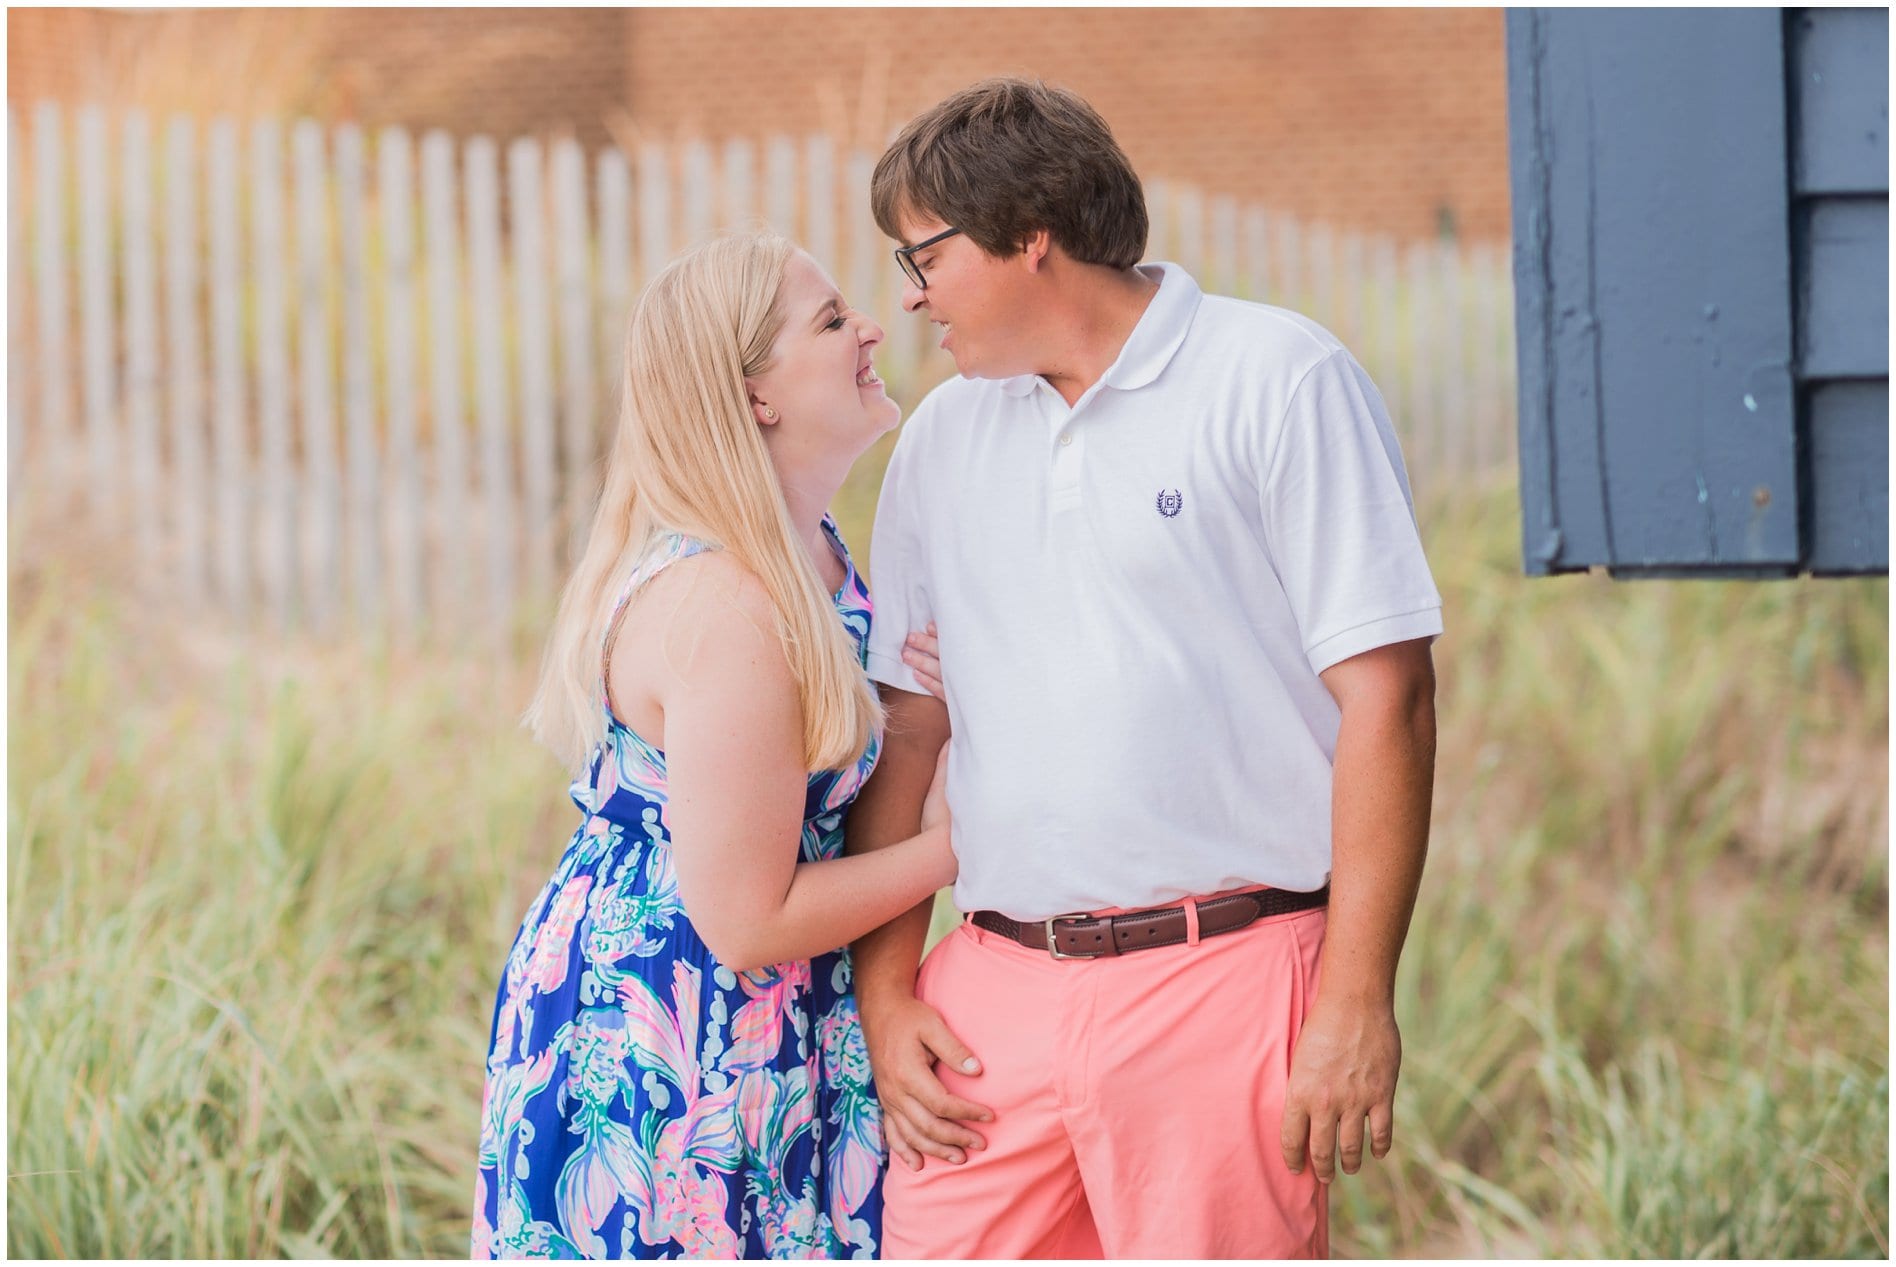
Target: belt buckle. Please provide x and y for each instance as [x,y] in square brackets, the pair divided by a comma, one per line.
[1053,944]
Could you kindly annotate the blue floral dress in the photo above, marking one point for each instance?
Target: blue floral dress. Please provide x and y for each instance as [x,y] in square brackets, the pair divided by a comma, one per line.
[643,1100]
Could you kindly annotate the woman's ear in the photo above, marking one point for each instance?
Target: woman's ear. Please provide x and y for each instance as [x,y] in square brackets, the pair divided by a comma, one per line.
[765,415]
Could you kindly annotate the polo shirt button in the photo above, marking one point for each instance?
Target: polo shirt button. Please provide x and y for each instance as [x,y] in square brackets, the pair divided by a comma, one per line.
[1066,437]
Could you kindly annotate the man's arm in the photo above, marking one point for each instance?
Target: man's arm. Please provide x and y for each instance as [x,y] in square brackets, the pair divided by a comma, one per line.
[905,1035]
[1349,1050]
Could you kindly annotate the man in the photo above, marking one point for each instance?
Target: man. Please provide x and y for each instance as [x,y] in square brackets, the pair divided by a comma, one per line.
[1184,622]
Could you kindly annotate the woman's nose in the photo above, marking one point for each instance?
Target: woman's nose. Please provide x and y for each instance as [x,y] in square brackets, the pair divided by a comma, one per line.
[867,330]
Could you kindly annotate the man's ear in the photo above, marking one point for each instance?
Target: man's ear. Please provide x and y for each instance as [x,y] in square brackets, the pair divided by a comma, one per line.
[1034,249]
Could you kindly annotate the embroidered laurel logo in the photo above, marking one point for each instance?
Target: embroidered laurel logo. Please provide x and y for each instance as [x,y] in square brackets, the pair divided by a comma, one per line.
[1170,502]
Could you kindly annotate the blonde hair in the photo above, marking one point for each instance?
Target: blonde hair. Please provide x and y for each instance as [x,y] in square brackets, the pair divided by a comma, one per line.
[689,457]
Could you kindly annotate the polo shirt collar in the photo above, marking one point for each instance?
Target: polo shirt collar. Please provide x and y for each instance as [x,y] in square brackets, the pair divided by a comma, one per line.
[1153,342]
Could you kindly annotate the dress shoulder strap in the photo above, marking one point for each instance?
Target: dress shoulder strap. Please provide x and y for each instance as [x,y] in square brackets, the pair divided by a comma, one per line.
[660,553]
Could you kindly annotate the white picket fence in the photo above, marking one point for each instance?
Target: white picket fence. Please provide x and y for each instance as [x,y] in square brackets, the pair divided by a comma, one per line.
[334,381]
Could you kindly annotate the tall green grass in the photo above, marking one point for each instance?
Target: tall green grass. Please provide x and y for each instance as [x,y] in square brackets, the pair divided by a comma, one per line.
[1644,1002]
[259,896]
[257,908]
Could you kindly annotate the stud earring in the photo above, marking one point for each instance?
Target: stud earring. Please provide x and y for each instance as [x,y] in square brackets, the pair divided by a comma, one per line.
[770,415]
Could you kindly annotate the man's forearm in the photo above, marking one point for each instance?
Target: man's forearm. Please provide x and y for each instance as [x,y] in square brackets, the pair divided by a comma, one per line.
[1383,781]
[889,810]
[886,958]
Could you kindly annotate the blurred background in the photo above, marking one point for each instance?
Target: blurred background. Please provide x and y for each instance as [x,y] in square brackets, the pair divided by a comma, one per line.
[313,323]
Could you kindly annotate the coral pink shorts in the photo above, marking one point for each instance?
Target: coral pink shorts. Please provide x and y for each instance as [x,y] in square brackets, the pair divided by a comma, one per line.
[1137,1102]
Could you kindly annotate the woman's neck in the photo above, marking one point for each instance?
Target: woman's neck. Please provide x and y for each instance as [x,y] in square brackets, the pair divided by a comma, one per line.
[808,497]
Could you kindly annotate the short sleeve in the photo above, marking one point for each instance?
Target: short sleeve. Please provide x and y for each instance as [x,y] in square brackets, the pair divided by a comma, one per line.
[1339,523]
[898,564]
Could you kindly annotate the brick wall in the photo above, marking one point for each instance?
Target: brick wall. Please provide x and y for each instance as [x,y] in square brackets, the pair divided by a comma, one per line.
[1391,120]
[503,72]
[60,53]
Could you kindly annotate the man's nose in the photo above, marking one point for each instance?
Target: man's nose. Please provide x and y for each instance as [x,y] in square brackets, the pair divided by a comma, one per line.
[913,296]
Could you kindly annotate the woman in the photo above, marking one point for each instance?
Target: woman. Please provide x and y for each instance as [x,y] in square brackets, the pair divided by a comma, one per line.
[676,1065]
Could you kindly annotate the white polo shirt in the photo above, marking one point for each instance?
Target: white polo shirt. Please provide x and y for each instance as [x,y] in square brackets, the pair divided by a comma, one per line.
[1135,597]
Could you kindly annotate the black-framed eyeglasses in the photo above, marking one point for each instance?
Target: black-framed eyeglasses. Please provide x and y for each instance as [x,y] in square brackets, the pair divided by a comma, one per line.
[905,256]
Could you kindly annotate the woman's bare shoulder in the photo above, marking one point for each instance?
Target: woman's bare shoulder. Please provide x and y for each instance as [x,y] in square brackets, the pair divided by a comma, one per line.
[707,616]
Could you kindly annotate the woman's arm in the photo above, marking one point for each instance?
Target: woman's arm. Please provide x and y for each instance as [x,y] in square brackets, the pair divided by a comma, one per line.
[733,741]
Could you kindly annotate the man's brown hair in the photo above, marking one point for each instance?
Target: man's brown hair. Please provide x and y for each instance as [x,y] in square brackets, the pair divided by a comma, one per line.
[1004,158]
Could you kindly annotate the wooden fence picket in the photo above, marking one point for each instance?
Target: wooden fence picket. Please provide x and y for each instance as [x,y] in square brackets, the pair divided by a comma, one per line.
[1494,439]
[98,337]
[1501,435]
[1452,360]
[1259,280]
[1320,251]
[1292,274]
[533,337]
[1189,209]
[698,188]
[1349,314]
[18,371]
[486,309]
[819,199]
[184,360]
[1483,357]
[615,268]
[859,272]
[275,507]
[1385,340]
[1422,359]
[1224,276]
[738,208]
[362,495]
[780,185]
[448,525]
[654,191]
[321,503]
[395,196]
[230,462]
[52,329]
[141,340]
[578,381]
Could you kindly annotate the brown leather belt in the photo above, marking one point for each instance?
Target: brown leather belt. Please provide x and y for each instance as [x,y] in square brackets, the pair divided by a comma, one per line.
[1084,936]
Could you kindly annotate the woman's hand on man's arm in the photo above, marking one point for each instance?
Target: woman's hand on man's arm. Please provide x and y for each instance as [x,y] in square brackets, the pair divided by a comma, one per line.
[922,653]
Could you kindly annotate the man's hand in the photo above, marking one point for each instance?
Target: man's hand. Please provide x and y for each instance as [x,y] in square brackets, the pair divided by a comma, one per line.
[906,1037]
[1344,1069]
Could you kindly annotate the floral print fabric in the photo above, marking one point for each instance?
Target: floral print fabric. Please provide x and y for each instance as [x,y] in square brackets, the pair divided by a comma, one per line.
[643,1100]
